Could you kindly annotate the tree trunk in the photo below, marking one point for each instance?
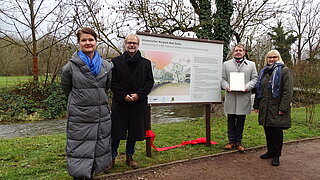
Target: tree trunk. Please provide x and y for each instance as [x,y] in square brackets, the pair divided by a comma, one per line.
[35,69]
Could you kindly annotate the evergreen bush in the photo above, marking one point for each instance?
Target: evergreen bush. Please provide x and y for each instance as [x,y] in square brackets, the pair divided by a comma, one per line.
[31,102]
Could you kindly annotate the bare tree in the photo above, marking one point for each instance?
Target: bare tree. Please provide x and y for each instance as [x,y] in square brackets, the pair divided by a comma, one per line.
[306,26]
[26,23]
[163,17]
[251,15]
[307,83]
[13,60]
[54,57]
[257,48]
[93,13]
[181,18]
[313,30]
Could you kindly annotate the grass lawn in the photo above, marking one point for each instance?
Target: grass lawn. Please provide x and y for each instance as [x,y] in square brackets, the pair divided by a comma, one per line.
[6,81]
[43,157]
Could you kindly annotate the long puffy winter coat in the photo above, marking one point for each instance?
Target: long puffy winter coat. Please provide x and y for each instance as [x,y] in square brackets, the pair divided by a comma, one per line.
[88,146]
[238,102]
[269,106]
[130,75]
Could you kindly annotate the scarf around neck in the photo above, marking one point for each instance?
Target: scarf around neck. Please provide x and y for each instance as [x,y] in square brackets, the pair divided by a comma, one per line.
[274,81]
[94,64]
[239,61]
[132,60]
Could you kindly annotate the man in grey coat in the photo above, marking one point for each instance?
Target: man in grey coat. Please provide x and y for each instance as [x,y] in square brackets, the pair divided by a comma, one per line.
[238,102]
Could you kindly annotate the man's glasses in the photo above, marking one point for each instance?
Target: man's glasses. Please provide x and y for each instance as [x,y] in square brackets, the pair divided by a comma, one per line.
[134,43]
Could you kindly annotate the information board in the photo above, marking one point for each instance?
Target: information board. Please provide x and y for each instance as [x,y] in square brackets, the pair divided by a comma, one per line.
[185,70]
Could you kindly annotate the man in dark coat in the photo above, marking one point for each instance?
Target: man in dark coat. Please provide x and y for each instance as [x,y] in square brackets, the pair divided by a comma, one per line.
[132,80]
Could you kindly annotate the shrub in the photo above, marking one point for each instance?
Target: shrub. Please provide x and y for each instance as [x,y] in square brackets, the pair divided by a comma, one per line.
[32,101]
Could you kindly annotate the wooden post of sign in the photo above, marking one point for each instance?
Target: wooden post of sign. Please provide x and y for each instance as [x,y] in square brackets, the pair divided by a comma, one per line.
[208,128]
[148,126]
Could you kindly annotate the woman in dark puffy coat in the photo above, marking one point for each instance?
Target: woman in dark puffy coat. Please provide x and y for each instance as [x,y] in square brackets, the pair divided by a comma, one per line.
[85,80]
[273,103]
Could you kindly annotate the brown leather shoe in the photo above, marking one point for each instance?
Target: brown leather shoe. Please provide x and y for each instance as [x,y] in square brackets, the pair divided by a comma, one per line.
[240,148]
[229,146]
[130,162]
[110,166]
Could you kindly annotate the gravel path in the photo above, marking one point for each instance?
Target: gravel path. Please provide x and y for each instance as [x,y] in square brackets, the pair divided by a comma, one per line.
[300,160]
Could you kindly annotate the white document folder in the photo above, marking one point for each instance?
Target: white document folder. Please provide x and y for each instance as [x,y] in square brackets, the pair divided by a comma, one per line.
[237,82]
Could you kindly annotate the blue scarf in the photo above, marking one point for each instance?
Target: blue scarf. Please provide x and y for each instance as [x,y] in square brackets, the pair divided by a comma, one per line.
[274,82]
[94,64]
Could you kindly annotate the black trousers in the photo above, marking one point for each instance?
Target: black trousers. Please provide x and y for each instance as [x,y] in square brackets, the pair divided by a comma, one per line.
[274,138]
[235,127]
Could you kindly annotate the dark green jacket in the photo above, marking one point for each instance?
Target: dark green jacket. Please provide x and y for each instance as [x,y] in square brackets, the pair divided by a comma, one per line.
[269,106]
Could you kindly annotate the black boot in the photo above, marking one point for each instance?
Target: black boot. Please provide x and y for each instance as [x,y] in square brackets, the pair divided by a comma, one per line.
[266,156]
[275,161]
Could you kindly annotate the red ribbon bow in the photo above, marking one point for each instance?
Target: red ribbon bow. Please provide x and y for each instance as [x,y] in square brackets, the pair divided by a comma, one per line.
[151,135]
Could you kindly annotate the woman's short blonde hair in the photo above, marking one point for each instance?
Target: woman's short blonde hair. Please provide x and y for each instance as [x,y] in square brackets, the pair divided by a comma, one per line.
[273,53]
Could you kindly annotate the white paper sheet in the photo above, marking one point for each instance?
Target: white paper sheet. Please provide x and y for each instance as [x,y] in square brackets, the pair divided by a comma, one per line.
[237,81]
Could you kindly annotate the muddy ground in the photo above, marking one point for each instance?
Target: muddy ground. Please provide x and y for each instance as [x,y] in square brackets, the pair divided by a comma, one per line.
[300,160]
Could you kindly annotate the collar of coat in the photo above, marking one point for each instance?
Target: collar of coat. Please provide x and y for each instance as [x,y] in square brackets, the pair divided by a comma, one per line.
[240,61]
[86,70]
[132,60]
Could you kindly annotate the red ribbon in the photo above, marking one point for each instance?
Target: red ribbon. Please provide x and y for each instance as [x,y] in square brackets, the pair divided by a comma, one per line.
[150,134]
